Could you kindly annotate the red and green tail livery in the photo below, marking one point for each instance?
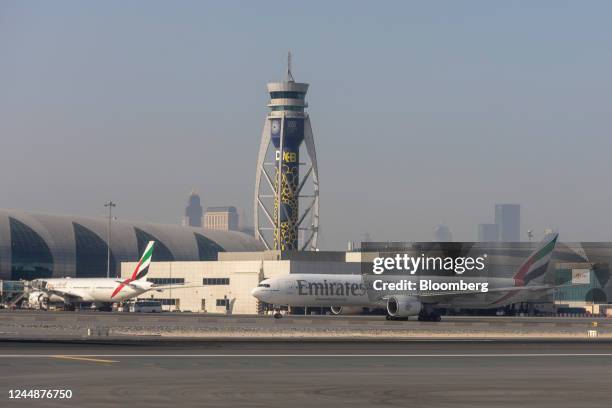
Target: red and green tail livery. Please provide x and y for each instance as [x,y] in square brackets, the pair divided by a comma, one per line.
[535,266]
[141,269]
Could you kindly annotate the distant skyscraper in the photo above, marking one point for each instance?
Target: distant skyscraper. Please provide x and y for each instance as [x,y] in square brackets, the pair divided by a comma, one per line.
[488,232]
[508,220]
[193,211]
[442,233]
[221,218]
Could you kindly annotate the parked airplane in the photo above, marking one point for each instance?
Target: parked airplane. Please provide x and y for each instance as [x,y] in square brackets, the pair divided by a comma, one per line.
[102,292]
[341,292]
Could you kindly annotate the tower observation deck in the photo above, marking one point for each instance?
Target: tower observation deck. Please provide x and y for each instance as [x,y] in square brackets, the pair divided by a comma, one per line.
[286,202]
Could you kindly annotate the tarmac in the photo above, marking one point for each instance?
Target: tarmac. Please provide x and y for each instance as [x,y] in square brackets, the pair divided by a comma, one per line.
[22,324]
[305,373]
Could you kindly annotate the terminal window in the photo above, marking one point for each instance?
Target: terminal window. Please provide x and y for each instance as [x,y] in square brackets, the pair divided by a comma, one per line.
[222,302]
[30,255]
[167,281]
[168,302]
[215,281]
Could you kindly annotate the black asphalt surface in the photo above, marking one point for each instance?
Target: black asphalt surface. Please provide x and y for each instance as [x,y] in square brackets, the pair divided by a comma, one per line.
[152,373]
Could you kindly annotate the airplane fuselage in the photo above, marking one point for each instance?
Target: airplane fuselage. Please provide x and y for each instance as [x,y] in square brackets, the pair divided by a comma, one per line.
[97,290]
[325,290]
[313,290]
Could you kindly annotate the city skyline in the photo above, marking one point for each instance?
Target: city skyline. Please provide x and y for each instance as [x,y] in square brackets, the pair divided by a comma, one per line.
[423,112]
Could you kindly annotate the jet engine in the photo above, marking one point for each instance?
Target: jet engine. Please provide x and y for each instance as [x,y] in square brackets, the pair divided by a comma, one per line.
[403,306]
[346,310]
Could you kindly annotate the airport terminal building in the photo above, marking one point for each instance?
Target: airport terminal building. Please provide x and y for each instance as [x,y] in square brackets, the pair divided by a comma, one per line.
[44,246]
[221,268]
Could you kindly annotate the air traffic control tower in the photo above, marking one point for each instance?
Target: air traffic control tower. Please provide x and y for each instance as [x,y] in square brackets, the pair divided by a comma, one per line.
[286,202]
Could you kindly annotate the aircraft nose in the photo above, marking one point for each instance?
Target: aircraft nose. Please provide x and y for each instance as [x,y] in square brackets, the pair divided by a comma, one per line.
[256,292]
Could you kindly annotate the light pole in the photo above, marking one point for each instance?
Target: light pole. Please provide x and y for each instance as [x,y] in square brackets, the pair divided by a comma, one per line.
[110,206]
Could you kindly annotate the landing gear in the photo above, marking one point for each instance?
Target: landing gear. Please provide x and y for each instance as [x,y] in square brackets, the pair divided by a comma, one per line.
[105,307]
[425,316]
[69,307]
[277,314]
[429,316]
[403,319]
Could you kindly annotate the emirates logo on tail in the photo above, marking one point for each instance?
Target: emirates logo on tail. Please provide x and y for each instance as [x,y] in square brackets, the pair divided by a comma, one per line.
[141,269]
[535,266]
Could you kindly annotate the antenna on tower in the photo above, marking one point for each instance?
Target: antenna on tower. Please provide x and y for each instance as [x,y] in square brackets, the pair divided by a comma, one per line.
[289,74]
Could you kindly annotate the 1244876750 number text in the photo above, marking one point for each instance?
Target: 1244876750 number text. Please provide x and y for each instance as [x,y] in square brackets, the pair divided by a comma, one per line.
[39,394]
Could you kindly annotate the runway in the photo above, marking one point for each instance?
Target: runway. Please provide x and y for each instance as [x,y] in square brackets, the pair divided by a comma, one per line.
[312,373]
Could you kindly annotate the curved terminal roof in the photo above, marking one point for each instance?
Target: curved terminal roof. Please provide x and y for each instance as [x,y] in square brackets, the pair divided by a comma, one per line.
[77,245]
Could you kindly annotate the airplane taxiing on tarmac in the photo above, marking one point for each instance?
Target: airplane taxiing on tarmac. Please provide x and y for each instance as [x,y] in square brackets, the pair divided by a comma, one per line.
[350,294]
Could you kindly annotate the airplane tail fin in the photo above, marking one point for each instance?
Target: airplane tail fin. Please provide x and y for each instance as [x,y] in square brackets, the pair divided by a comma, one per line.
[534,267]
[143,264]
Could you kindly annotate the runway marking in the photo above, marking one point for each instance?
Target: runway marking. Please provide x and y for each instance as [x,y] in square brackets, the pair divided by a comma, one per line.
[83,358]
[98,357]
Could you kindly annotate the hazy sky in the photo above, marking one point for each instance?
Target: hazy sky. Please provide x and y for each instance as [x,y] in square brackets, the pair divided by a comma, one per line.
[423,112]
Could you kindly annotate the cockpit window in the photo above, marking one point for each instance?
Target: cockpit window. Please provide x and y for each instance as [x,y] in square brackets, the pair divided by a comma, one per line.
[263,285]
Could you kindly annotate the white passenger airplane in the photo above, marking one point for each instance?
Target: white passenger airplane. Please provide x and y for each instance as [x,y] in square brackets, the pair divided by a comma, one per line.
[349,291]
[102,292]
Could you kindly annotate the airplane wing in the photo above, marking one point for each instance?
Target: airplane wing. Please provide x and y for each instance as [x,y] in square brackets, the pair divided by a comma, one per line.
[435,295]
[533,288]
[508,292]
[157,287]
[127,282]
[175,286]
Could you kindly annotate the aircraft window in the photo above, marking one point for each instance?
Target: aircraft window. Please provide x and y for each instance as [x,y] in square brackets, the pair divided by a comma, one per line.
[263,285]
